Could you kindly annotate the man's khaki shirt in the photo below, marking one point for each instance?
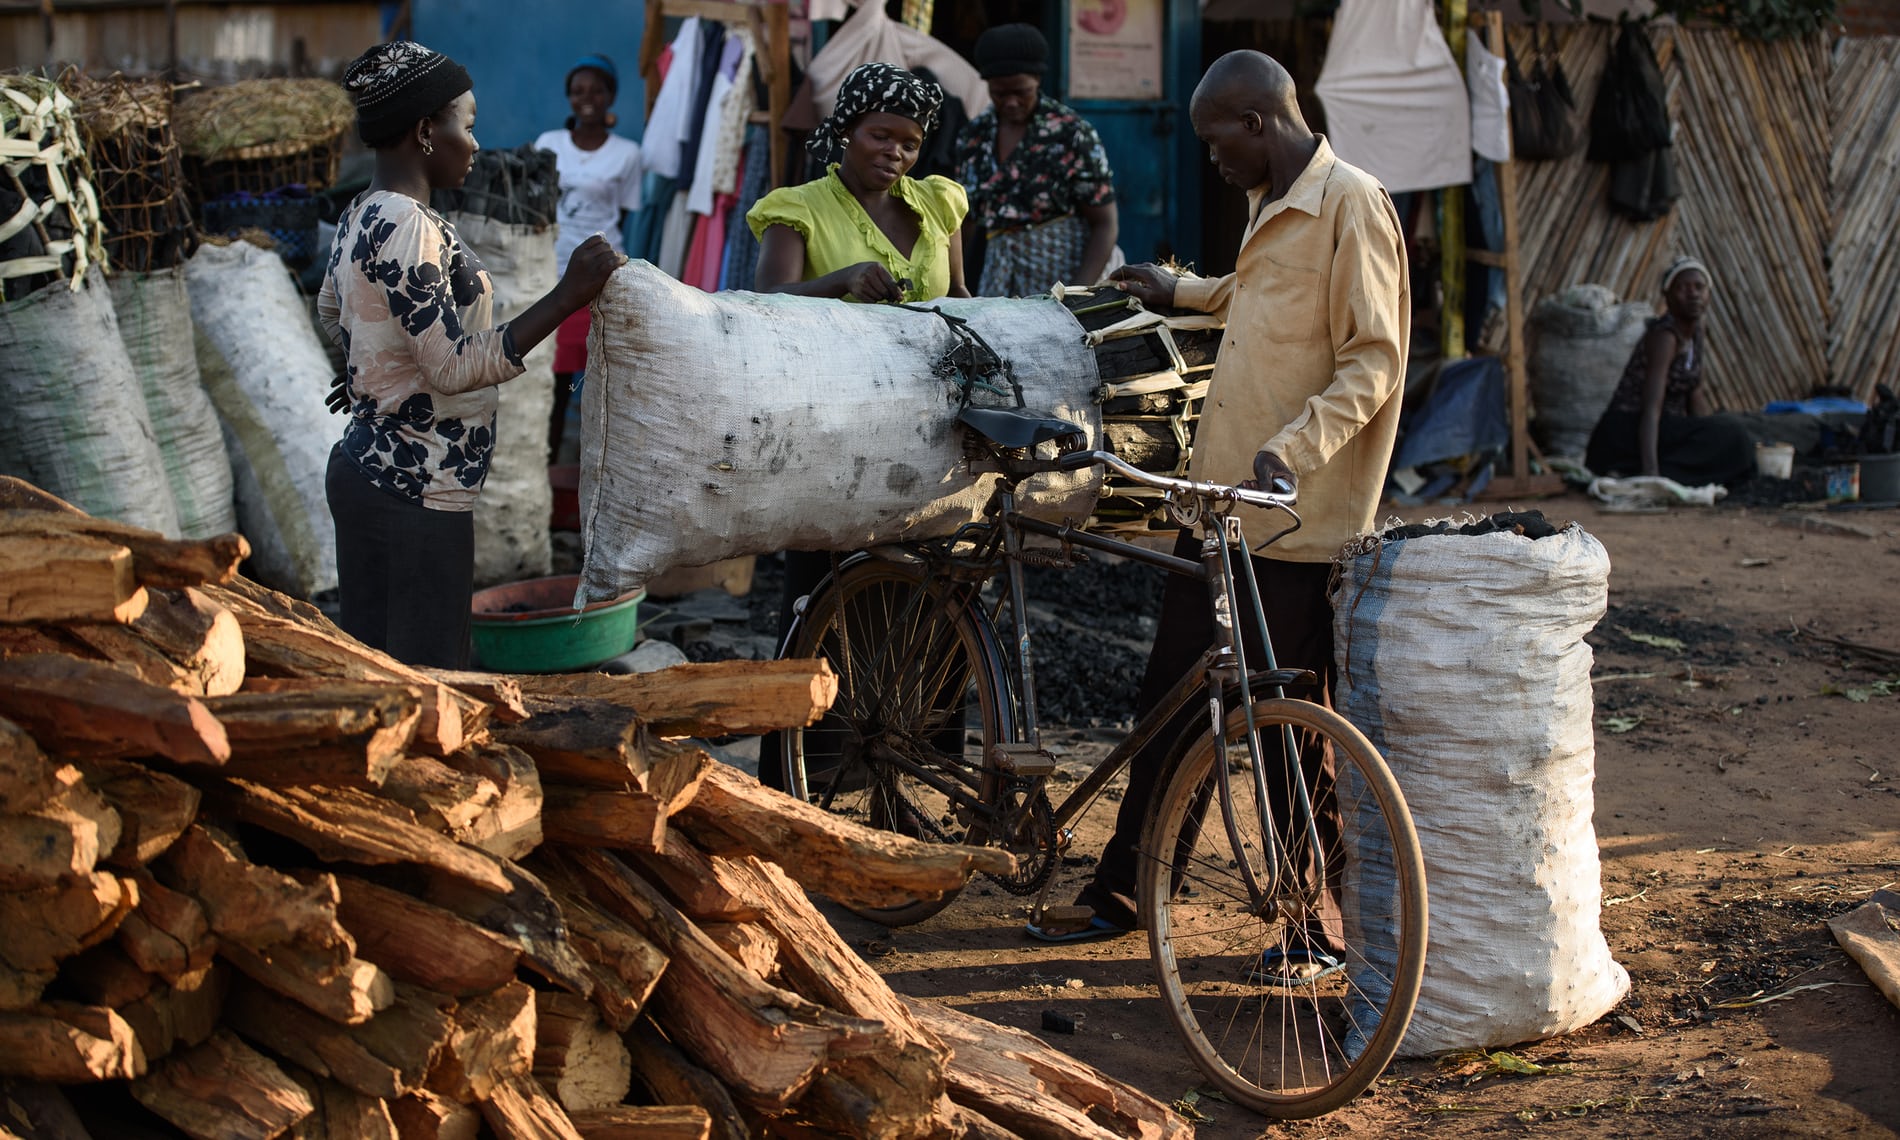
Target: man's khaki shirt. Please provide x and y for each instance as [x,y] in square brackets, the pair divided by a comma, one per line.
[1319,315]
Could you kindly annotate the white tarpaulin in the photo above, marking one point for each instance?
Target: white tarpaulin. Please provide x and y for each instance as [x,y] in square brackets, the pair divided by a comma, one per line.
[1395,100]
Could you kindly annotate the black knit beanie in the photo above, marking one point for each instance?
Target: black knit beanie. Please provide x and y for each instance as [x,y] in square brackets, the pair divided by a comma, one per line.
[1011,49]
[396,84]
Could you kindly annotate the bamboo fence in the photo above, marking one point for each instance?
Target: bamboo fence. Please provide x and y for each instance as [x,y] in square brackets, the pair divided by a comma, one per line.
[1787,155]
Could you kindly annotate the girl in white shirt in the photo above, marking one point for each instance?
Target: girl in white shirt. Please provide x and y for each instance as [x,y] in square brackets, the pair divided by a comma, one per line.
[600,182]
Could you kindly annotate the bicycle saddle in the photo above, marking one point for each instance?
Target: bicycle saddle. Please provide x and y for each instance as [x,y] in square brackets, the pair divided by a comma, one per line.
[1014,427]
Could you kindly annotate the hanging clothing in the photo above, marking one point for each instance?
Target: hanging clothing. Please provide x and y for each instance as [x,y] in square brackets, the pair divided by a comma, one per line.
[742,248]
[699,197]
[839,234]
[676,234]
[712,46]
[1395,100]
[1490,102]
[871,36]
[666,124]
[596,185]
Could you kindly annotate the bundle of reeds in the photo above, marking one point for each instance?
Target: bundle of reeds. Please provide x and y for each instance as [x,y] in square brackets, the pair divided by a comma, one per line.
[137,169]
[262,134]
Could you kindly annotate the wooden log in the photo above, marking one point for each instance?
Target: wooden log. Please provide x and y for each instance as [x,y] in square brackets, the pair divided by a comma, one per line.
[385,1057]
[511,827]
[200,635]
[179,1015]
[591,743]
[84,708]
[442,798]
[525,912]
[36,1110]
[156,560]
[350,992]
[750,945]
[520,1109]
[69,1043]
[425,1115]
[422,944]
[122,647]
[1013,1078]
[698,883]
[577,1058]
[490,1040]
[26,775]
[22,989]
[627,820]
[495,689]
[224,1090]
[643,1122]
[625,966]
[670,1077]
[105,975]
[739,698]
[340,1113]
[342,734]
[45,927]
[153,808]
[16,494]
[67,578]
[168,933]
[733,814]
[766,1044]
[350,825]
[59,841]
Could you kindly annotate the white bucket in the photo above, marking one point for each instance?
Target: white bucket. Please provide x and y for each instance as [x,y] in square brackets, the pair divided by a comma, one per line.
[1774,460]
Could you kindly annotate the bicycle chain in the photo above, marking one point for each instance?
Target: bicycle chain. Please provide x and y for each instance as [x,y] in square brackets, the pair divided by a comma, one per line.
[1031,871]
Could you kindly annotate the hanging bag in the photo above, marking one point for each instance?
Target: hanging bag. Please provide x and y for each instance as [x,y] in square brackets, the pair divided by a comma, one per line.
[1544,119]
[1630,117]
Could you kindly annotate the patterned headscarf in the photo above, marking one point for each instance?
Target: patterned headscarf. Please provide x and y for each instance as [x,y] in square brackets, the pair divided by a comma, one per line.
[397,83]
[874,87]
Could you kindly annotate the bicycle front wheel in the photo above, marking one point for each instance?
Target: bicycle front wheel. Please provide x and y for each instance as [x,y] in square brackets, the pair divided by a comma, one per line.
[920,699]
[1289,961]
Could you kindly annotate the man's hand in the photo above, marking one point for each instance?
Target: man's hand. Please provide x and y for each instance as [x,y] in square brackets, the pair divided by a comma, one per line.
[870,281]
[1150,284]
[1272,475]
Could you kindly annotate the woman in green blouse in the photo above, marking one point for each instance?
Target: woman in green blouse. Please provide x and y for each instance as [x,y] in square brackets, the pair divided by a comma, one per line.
[866,231]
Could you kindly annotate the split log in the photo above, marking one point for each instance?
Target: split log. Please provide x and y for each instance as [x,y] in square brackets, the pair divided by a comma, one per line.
[511,827]
[340,1113]
[46,927]
[168,933]
[83,708]
[421,944]
[344,734]
[1013,1078]
[596,744]
[16,494]
[156,560]
[442,798]
[525,912]
[61,840]
[577,1058]
[184,1013]
[35,1110]
[429,1116]
[670,1077]
[960,1123]
[22,989]
[105,975]
[350,825]
[153,808]
[67,578]
[631,1122]
[624,965]
[698,883]
[490,1040]
[737,698]
[749,944]
[495,689]
[766,1044]
[387,1056]
[733,814]
[351,992]
[520,1109]
[203,637]
[69,1043]
[26,775]
[628,820]
[115,645]
[224,1090]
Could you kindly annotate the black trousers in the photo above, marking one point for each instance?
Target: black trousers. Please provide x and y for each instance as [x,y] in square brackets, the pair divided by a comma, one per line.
[1692,450]
[1300,619]
[406,572]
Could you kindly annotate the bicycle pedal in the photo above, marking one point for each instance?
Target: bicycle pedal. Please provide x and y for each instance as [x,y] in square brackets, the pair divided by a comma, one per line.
[1022,759]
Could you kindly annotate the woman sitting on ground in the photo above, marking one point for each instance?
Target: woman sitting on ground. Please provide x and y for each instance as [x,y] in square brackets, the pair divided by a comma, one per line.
[1660,420]
[866,231]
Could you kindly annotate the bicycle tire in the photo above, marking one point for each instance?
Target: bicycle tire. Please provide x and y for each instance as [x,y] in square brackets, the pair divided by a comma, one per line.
[879,624]
[1300,1049]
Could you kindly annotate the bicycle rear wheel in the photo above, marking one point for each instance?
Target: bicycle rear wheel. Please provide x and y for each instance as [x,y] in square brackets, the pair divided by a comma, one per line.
[920,699]
[1230,953]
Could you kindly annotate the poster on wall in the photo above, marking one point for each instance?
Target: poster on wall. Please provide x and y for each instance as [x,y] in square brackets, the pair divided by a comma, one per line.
[1115,49]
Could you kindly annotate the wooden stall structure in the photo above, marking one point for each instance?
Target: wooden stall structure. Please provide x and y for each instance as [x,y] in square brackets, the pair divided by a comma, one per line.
[770,23]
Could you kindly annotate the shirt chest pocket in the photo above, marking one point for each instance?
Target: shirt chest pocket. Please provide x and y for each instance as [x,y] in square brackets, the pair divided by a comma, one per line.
[1294,300]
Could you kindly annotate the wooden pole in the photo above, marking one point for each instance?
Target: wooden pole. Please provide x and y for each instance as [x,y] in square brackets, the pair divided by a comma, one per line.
[1451,222]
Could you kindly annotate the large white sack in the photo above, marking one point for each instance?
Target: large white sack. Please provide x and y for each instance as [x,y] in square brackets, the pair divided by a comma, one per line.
[1580,341]
[725,424]
[154,313]
[511,517]
[1462,658]
[268,375]
[72,418]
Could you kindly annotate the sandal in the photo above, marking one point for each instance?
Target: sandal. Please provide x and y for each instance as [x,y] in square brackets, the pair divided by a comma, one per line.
[1097,928]
[1299,966]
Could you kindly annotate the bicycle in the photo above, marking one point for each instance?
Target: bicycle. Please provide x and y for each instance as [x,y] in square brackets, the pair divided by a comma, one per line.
[911,633]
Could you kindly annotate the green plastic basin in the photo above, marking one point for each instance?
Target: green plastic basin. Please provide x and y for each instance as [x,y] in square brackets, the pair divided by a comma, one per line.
[531,626]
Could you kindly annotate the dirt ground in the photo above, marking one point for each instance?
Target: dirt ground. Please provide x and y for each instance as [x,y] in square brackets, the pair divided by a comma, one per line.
[1747,789]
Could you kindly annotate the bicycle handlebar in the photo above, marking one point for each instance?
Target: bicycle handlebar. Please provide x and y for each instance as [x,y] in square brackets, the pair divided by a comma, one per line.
[1219,491]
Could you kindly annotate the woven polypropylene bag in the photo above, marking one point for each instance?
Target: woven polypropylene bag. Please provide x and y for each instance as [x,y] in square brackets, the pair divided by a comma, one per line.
[511,517]
[1462,658]
[1580,342]
[268,375]
[725,424]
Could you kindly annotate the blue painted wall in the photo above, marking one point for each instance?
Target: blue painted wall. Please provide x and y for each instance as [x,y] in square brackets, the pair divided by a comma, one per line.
[519,53]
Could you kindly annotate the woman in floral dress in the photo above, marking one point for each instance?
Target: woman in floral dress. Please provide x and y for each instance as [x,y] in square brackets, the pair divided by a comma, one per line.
[412,308]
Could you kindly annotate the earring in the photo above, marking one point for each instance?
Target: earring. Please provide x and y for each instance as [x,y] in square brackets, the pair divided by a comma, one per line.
[428,149]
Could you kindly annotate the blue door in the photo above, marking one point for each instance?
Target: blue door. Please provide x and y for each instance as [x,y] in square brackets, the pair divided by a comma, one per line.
[1128,67]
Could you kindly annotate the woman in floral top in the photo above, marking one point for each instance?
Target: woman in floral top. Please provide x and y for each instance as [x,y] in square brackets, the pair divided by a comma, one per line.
[1038,178]
[412,309]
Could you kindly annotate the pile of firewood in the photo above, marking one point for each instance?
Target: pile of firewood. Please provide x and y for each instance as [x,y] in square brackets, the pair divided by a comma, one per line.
[257,879]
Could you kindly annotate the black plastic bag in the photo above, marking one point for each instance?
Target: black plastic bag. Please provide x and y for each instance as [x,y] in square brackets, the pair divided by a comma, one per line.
[1544,119]
[1630,117]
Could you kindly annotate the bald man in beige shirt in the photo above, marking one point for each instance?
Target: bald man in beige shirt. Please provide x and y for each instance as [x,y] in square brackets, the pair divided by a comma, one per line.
[1305,393]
